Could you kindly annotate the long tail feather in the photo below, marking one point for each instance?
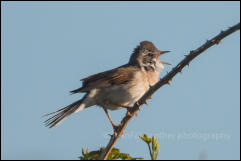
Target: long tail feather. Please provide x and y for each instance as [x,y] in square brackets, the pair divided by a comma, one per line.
[63,113]
[76,90]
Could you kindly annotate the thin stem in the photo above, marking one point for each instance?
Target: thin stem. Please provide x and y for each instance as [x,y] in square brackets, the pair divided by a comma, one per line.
[149,147]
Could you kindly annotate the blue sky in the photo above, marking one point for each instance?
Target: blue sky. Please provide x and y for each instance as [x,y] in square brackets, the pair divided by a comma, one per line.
[48,46]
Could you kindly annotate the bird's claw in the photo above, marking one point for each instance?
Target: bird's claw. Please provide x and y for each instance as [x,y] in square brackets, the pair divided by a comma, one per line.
[128,112]
[117,130]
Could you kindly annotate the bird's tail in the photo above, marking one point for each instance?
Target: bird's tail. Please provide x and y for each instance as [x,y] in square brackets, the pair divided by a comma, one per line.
[62,113]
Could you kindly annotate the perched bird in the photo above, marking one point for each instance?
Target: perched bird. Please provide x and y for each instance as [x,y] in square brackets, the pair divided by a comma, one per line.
[117,88]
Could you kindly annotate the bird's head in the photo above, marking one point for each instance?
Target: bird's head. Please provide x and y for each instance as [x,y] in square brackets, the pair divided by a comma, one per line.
[146,56]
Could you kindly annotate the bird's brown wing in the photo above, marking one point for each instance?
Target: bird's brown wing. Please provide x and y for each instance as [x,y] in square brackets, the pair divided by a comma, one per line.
[117,76]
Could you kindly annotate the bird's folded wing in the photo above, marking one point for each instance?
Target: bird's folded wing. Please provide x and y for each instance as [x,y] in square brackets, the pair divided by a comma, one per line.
[117,76]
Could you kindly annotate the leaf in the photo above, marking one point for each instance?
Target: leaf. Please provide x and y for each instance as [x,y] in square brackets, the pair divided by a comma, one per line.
[114,155]
[145,138]
[125,156]
[154,148]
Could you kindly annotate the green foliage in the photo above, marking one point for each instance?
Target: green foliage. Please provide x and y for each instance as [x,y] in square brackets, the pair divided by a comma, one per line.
[152,144]
[93,155]
[115,154]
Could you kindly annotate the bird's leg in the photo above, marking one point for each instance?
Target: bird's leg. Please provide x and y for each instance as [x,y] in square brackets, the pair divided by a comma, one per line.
[115,127]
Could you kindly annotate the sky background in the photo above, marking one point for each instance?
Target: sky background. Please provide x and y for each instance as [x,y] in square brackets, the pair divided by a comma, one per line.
[47,47]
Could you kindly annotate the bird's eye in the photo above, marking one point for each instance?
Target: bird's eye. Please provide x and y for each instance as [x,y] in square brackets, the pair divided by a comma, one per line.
[150,54]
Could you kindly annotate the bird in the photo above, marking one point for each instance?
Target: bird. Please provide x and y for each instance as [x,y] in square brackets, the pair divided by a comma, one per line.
[117,88]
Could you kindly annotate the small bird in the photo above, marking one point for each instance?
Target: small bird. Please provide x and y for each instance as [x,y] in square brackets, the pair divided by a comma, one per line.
[117,88]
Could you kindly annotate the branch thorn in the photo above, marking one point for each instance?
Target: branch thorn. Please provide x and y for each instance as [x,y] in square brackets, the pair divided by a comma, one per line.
[145,102]
[218,41]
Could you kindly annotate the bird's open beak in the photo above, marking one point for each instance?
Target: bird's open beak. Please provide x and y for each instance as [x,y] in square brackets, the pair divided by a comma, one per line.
[163,52]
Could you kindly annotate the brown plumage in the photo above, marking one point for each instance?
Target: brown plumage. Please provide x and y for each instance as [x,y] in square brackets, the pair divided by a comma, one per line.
[117,76]
[117,88]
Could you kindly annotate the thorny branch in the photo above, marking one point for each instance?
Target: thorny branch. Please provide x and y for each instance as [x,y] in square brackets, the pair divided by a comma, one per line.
[165,80]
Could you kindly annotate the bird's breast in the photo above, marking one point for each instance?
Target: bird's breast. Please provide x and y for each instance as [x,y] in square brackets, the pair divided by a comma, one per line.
[124,94]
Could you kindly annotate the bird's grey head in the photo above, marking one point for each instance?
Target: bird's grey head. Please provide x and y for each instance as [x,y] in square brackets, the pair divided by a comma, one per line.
[146,55]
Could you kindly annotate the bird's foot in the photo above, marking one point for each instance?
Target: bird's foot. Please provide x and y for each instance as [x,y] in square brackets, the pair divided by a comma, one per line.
[116,129]
[128,113]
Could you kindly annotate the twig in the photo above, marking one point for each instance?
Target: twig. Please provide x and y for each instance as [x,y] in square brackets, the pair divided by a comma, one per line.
[165,80]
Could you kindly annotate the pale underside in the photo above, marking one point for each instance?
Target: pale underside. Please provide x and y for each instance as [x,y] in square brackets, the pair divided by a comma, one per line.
[116,88]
